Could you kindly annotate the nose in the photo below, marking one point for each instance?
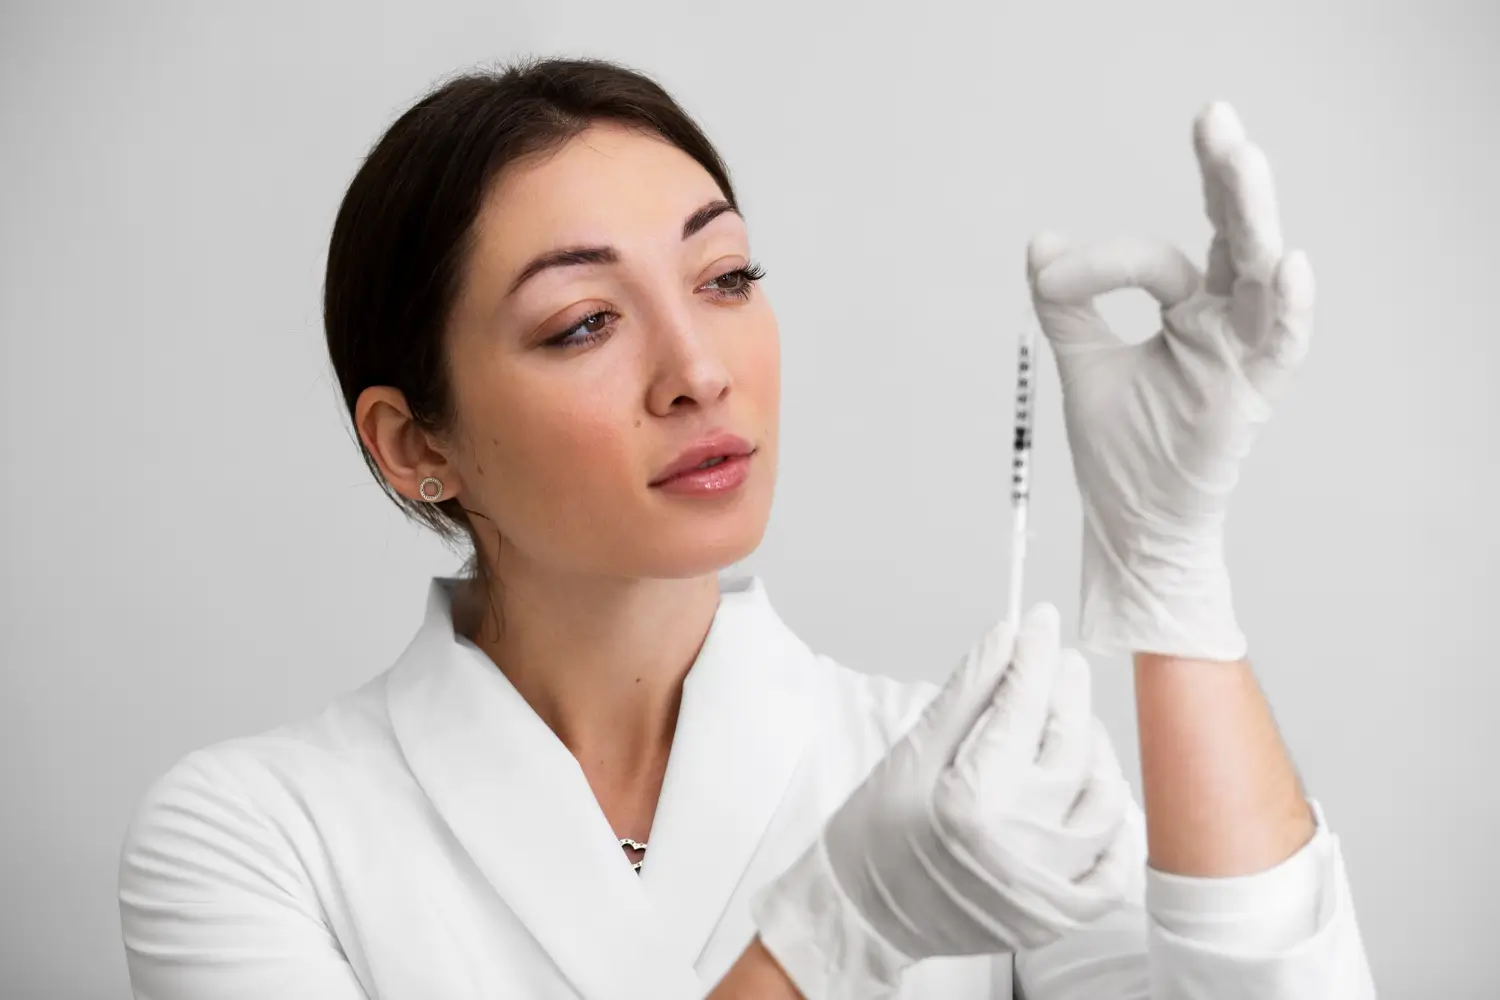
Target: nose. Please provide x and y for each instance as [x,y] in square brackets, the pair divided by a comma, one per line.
[689,371]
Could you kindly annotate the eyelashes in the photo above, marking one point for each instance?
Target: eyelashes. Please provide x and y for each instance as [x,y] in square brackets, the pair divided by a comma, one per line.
[734,285]
[746,277]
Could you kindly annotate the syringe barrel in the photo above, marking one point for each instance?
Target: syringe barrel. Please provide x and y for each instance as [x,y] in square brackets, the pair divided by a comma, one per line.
[1020,467]
[1020,471]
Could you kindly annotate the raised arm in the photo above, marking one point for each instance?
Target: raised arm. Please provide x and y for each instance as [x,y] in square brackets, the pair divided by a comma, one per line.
[1222,796]
[1246,894]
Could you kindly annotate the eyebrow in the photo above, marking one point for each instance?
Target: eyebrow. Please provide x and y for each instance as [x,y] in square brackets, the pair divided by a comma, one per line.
[574,256]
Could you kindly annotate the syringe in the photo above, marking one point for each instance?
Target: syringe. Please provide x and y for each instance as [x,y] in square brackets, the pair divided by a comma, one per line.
[1020,466]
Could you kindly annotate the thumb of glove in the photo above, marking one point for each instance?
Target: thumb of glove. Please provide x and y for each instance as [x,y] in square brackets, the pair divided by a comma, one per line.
[1065,324]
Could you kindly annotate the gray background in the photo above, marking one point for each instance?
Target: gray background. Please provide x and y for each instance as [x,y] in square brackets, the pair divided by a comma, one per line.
[192,548]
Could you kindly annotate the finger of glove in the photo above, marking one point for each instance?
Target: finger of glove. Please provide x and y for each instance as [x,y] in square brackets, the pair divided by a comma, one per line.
[1219,279]
[1287,319]
[1104,266]
[956,710]
[1254,218]
[1065,752]
[1240,192]
[995,890]
[1082,875]
[1012,864]
[1112,879]
[1089,864]
[1064,875]
[1066,741]
[1006,739]
[1065,324]
[1216,129]
[1293,291]
[1062,821]
[1103,794]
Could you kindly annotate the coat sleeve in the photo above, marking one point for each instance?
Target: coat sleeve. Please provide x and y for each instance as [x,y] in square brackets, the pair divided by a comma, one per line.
[213,902]
[1288,933]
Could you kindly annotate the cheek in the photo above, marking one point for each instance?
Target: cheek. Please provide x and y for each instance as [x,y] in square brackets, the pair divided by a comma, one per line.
[567,438]
[761,367]
[550,448]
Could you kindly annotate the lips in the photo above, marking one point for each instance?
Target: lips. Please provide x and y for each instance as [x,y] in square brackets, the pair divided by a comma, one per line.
[711,450]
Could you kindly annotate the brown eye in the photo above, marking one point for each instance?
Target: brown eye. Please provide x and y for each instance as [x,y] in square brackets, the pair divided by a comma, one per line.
[590,329]
[738,283]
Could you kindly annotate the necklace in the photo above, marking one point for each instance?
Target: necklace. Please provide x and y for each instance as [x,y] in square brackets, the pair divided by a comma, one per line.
[634,845]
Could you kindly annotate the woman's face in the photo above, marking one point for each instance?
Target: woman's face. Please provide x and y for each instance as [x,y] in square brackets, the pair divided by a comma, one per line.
[580,378]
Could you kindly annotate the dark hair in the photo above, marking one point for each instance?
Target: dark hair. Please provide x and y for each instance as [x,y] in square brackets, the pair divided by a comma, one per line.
[405,229]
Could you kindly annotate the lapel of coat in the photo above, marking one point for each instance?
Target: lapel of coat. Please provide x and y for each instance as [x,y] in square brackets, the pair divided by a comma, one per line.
[742,728]
[520,805]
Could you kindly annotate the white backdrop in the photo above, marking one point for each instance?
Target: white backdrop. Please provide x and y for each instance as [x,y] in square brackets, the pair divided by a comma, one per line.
[192,548]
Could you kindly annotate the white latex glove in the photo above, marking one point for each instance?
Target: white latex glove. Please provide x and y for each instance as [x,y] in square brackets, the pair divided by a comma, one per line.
[995,824]
[1158,429]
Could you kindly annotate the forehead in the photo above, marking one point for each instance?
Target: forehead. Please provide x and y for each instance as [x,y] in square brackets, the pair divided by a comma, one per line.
[606,185]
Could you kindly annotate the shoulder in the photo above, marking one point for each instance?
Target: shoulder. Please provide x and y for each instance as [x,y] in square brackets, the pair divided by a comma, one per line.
[226,867]
[257,790]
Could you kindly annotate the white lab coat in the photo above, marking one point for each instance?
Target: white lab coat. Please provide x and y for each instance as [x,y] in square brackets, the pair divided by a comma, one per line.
[428,836]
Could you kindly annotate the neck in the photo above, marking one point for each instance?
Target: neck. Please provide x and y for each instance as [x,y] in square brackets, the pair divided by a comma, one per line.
[600,660]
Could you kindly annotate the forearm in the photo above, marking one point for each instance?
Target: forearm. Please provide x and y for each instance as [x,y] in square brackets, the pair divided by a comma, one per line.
[1221,795]
[755,975]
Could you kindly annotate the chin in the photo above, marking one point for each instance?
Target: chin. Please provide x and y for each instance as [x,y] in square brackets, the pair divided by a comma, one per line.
[683,551]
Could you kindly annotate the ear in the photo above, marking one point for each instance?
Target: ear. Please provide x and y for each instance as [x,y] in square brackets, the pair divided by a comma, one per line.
[405,453]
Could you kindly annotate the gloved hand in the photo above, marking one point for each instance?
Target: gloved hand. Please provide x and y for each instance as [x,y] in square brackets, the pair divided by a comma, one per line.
[995,824]
[1158,429]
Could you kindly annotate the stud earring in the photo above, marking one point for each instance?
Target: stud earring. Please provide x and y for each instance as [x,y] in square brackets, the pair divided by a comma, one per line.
[437,485]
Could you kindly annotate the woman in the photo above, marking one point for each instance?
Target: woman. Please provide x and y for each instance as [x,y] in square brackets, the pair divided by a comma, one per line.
[596,772]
